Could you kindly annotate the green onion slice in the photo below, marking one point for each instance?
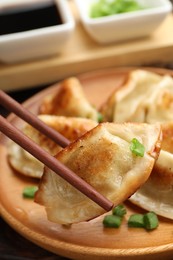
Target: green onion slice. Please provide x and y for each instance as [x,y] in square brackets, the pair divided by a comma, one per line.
[136,220]
[112,221]
[151,220]
[99,117]
[137,148]
[29,191]
[119,210]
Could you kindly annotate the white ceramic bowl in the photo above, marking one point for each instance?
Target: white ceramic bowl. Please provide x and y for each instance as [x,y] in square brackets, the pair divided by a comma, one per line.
[124,26]
[37,43]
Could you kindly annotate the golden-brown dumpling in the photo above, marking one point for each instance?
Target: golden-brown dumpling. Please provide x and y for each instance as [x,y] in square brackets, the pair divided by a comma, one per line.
[69,101]
[71,128]
[102,157]
[145,97]
[157,193]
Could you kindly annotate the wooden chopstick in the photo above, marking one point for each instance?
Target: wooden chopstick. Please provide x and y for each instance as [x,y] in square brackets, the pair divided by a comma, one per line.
[26,143]
[13,106]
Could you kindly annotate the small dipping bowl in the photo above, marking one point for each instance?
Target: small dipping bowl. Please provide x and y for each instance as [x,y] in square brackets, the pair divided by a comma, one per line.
[124,26]
[33,29]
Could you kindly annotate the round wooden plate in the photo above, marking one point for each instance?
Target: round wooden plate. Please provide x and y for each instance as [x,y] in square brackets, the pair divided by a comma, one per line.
[86,240]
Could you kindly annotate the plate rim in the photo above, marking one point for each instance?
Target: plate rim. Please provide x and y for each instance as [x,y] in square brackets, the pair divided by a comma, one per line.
[115,252]
[35,236]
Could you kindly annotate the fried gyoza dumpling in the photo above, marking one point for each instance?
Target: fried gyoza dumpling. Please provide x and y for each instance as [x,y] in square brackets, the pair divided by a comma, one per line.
[145,97]
[69,101]
[72,128]
[102,157]
[157,193]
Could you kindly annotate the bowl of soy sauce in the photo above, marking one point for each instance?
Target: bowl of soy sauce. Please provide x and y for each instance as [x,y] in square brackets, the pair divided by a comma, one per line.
[33,29]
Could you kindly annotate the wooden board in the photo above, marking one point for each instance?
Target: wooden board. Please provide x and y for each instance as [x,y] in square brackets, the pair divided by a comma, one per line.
[85,240]
[82,54]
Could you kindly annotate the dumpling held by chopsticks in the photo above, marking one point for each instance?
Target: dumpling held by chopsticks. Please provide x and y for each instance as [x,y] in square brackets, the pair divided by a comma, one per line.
[116,159]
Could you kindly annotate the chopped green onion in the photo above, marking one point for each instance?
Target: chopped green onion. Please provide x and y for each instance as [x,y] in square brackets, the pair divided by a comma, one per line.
[151,220]
[136,220]
[137,148]
[119,210]
[102,8]
[148,221]
[29,191]
[100,117]
[112,221]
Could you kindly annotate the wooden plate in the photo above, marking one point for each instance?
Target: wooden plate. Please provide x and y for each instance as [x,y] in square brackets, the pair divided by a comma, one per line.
[87,240]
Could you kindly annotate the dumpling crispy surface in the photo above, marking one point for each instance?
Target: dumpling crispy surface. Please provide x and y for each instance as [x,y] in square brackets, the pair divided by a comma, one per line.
[72,128]
[69,101]
[145,97]
[102,157]
[157,193]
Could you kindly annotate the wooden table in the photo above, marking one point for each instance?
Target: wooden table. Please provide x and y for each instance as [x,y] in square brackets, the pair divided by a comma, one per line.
[82,54]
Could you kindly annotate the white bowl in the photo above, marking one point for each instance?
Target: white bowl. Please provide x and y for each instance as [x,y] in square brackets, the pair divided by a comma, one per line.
[124,26]
[36,43]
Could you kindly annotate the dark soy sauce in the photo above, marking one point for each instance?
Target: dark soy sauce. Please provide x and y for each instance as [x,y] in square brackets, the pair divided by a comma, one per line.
[25,18]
